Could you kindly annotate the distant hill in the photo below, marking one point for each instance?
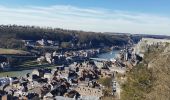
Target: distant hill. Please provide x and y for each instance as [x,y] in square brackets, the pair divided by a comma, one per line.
[11,33]
[11,36]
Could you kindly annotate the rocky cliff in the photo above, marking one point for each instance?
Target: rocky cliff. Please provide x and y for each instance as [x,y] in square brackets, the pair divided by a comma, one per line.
[160,68]
[150,80]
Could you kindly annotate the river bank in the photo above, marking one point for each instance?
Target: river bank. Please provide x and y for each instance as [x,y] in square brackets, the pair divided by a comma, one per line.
[22,71]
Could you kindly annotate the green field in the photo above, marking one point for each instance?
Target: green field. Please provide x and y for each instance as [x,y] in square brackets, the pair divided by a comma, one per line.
[12,51]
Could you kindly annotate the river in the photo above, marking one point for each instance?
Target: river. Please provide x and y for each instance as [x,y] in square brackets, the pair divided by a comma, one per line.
[108,56]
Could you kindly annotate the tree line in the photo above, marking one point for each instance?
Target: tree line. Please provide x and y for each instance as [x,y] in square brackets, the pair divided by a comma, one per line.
[10,36]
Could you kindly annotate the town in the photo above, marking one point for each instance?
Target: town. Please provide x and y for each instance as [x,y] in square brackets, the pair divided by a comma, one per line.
[70,74]
[84,50]
[76,75]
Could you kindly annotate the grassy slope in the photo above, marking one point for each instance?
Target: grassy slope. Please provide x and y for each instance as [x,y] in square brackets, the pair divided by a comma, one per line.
[153,83]
[12,51]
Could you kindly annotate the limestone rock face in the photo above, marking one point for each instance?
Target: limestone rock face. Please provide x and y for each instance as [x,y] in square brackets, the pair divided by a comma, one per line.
[145,43]
[160,66]
[167,49]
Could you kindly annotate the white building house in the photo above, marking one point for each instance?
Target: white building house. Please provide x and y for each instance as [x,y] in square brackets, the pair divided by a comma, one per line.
[48,57]
[5,66]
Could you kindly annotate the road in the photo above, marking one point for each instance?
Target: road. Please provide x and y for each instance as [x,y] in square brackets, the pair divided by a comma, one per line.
[117,88]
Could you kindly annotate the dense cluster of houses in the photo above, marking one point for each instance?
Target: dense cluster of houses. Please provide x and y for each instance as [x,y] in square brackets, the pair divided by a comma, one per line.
[78,81]
[45,42]
[42,42]
[76,78]
[67,57]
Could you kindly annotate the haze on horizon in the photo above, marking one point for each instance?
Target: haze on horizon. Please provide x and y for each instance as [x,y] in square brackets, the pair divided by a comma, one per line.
[139,17]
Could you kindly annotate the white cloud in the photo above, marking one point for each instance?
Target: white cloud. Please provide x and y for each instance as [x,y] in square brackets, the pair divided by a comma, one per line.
[89,19]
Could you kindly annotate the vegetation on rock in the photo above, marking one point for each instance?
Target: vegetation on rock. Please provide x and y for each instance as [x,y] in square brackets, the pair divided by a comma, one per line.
[149,83]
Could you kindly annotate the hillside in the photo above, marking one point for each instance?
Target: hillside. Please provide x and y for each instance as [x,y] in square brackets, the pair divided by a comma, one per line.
[160,67]
[12,34]
[150,80]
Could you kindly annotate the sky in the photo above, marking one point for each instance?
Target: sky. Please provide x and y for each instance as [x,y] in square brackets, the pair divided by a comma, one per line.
[126,16]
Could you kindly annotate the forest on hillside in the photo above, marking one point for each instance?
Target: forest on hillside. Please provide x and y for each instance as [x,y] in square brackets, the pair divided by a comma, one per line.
[11,36]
